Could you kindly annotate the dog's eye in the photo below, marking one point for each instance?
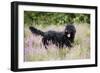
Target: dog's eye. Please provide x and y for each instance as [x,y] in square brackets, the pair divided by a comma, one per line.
[68,35]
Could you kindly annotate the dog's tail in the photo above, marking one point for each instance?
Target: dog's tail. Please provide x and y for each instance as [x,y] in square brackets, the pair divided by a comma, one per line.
[36,31]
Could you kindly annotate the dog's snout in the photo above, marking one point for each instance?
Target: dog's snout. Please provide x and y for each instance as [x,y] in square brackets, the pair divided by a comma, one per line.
[68,35]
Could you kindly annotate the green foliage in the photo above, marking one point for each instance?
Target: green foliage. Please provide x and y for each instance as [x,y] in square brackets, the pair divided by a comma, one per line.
[82,18]
[55,18]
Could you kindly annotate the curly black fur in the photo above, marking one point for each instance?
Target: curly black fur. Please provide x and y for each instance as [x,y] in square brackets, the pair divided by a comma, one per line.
[60,39]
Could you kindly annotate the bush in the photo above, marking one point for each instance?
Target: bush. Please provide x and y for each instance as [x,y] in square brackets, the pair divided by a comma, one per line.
[49,18]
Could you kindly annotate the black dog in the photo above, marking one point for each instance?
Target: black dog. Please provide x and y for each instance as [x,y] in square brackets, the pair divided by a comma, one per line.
[58,38]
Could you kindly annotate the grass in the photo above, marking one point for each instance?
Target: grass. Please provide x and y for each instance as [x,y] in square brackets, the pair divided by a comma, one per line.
[35,51]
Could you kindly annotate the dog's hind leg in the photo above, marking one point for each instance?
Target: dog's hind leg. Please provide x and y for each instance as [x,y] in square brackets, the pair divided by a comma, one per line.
[44,41]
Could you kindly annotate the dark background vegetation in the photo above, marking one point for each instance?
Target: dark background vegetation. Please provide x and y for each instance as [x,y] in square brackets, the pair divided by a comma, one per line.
[55,18]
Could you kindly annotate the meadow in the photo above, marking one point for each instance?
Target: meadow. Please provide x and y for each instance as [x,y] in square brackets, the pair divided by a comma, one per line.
[35,51]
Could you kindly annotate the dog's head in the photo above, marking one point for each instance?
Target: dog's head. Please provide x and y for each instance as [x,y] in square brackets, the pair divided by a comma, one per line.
[70,31]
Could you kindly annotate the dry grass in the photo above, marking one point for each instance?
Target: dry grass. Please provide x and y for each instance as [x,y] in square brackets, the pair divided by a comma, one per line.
[35,51]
